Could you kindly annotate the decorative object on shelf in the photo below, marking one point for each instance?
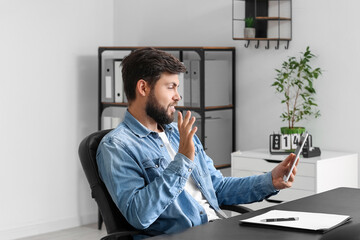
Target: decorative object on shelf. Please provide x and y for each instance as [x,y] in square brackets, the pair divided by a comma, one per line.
[292,136]
[286,143]
[311,152]
[295,82]
[272,21]
[249,31]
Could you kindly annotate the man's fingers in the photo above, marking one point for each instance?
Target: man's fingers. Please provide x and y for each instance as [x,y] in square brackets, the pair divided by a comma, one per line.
[186,145]
[186,118]
[292,178]
[180,120]
[190,124]
[289,159]
[186,123]
[192,120]
[192,132]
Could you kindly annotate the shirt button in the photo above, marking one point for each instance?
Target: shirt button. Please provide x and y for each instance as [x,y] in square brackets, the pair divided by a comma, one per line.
[189,169]
[156,166]
[161,145]
[201,212]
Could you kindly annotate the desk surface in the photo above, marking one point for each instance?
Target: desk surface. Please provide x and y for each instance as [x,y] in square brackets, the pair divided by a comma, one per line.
[338,201]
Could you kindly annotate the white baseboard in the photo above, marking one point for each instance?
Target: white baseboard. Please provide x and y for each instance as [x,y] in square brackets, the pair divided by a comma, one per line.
[46,227]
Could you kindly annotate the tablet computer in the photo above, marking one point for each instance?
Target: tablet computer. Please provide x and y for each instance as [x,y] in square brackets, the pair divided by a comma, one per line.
[297,153]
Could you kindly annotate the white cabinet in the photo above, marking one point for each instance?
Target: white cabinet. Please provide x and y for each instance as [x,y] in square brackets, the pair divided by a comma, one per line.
[314,175]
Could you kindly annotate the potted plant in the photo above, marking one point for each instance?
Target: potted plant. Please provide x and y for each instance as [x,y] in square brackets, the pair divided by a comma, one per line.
[294,82]
[249,31]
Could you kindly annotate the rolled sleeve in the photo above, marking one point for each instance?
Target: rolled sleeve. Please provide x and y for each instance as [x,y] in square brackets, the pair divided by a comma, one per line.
[182,165]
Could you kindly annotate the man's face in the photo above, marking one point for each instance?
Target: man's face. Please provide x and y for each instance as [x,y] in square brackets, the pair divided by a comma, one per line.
[163,98]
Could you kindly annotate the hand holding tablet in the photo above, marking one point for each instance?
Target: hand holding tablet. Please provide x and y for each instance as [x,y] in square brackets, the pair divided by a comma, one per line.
[297,153]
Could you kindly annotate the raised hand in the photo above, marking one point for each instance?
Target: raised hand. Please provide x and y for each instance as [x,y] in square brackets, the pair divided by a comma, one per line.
[186,130]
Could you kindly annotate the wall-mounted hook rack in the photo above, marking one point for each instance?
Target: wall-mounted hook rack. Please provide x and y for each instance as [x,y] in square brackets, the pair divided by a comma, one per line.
[277,46]
[268,45]
[263,12]
[287,46]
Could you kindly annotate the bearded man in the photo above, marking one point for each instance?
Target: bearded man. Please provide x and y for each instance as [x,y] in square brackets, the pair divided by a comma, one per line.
[156,171]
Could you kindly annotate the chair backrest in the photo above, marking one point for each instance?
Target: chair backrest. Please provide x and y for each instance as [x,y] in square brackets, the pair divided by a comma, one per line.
[113,219]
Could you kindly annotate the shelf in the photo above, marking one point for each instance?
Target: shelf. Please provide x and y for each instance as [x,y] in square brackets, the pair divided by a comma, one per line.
[210,108]
[273,18]
[268,0]
[114,104]
[264,39]
[168,48]
[272,21]
[266,18]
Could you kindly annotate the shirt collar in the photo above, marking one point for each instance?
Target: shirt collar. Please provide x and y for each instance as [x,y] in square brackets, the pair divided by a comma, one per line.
[140,130]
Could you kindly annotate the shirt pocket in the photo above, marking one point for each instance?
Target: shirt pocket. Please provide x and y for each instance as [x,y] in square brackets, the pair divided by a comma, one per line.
[200,161]
[203,172]
[154,167]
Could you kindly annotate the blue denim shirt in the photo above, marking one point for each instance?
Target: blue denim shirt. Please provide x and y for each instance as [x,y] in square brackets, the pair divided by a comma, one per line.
[148,187]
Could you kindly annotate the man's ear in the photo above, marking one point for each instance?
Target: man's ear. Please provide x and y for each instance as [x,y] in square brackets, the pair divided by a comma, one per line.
[142,87]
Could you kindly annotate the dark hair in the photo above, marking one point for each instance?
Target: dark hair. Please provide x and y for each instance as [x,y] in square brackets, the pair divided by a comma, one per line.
[147,64]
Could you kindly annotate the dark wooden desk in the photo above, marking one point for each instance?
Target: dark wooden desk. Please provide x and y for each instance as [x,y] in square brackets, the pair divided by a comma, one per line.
[338,201]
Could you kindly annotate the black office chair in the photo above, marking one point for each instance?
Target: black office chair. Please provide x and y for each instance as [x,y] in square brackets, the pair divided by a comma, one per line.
[116,225]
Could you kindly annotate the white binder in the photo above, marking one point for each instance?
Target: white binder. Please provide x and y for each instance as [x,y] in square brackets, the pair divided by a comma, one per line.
[107,83]
[187,84]
[119,90]
[195,83]
[181,89]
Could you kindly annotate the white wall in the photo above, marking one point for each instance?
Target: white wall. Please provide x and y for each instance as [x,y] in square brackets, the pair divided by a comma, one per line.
[48,99]
[327,26]
[48,91]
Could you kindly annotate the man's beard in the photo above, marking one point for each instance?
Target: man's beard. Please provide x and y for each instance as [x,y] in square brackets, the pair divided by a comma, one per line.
[157,112]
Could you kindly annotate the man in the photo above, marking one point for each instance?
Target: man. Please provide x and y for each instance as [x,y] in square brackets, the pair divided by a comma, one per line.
[156,171]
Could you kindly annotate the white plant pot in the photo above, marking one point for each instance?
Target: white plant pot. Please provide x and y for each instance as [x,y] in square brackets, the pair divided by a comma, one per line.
[249,32]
